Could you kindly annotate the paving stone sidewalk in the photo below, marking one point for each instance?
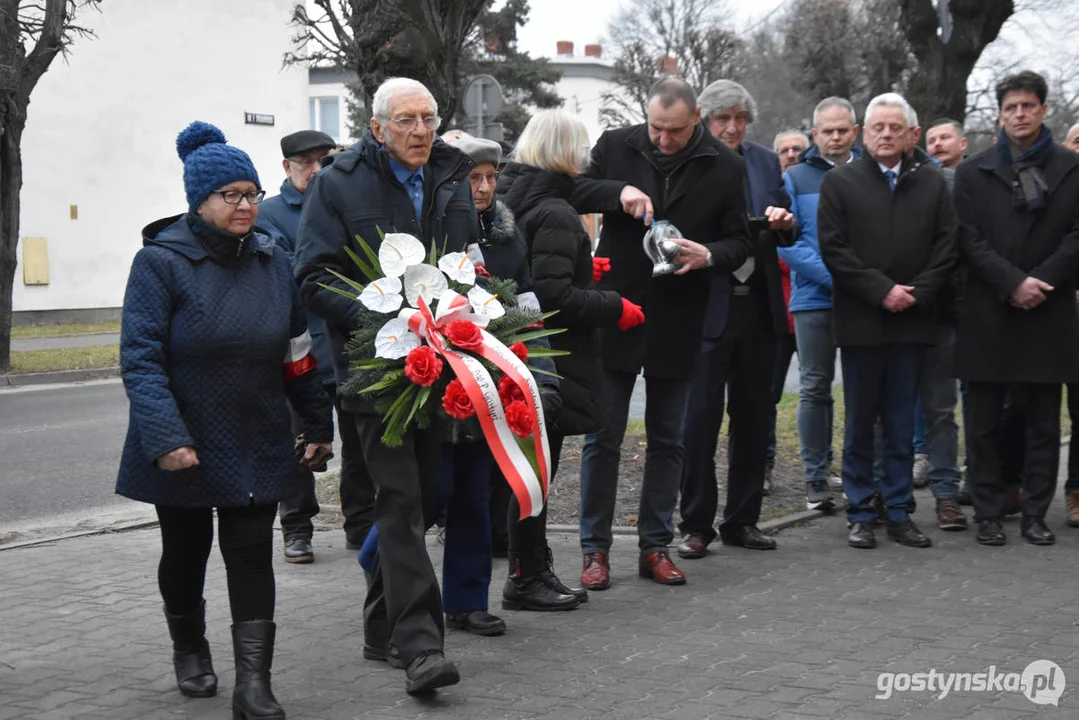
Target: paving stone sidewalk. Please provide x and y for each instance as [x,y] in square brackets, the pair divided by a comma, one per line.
[802,632]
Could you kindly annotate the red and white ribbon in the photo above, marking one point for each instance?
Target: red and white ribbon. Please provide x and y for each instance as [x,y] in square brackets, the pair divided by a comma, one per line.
[528,486]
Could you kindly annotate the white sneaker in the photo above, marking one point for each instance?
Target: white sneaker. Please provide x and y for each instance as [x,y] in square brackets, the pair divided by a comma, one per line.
[921,470]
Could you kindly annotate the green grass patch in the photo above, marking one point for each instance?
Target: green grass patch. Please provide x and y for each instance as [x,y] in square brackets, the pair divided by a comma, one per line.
[64,329]
[83,358]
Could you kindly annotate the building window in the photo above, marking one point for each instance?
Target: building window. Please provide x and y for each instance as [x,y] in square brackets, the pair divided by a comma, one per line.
[326,116]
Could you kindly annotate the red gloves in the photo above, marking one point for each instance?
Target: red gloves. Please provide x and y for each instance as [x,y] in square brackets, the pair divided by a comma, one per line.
[600,265]
[632,315]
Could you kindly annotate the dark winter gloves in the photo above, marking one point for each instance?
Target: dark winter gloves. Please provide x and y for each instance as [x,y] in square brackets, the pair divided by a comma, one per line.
[632,315]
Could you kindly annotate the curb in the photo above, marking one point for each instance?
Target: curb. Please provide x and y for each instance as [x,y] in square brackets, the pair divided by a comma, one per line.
[123,527]
[58,376]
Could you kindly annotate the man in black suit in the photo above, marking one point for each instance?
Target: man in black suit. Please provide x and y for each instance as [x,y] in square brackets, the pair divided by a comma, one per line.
[695,182]
[746,315]
[888,237]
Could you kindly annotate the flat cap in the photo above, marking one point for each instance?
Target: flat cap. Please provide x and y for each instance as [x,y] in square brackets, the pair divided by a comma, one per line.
[479,149]
[305,140]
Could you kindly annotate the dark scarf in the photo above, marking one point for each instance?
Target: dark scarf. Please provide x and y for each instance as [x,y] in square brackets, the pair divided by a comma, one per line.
[668,163]
[1031,190]
[224,247]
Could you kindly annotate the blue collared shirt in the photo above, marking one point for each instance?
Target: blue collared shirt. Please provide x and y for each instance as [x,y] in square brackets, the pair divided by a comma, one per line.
[413,182]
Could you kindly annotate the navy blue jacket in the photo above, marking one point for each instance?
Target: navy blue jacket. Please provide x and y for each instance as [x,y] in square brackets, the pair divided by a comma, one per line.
[764,188]
[202,348]
[282,213]
[357,195]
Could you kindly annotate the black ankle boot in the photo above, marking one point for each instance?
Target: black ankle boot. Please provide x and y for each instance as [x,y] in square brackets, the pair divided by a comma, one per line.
[552,581]
[191,653]
[252,698]
[526,590]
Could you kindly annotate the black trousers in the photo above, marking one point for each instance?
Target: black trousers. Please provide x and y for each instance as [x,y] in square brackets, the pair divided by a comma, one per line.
[742,362]
[1039,406]
[245,536]
[404,603]
[528,537]
[356,487]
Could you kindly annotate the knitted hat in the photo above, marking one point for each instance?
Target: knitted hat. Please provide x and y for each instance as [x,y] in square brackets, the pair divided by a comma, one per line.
[209,163]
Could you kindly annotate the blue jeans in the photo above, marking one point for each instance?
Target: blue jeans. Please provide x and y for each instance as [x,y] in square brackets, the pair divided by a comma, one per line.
[937,397]
[920,429]
[816,358]
[665,409]
[880,382]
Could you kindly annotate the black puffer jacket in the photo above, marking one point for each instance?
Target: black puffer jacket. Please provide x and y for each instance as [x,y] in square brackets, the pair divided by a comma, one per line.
[560,253]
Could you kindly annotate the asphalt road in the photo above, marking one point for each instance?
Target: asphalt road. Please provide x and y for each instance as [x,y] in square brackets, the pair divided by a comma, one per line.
[60,448]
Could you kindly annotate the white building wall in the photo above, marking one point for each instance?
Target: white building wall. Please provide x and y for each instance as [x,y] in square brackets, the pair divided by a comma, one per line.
[101,130]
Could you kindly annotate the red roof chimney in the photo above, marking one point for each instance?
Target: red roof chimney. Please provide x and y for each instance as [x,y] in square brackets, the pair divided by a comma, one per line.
[667,65]
[565,47]
[593,51]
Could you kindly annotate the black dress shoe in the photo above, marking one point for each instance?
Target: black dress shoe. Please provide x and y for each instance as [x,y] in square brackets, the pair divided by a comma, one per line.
[907,533]
[298,550]
[861,536]
[747,536]
[379,652]
[532,593]
[429,671]
[991,532]
[1035,532]
[477,622]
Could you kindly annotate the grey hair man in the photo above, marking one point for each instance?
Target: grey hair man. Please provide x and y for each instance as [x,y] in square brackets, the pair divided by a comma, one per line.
[746,317]
[398,177]
[888,237]
[1071,140]
[835,129]
[789,145]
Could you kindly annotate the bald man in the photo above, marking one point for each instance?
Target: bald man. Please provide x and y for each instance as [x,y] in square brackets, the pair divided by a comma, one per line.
[1071,141]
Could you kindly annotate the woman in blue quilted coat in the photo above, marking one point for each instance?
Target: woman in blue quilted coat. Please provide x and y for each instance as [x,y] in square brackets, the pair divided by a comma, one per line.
[214,342]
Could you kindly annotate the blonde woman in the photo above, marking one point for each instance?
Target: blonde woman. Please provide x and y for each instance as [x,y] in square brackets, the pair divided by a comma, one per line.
[550,154]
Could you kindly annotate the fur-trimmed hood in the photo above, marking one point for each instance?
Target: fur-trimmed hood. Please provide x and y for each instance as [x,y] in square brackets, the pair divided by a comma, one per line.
[498,223]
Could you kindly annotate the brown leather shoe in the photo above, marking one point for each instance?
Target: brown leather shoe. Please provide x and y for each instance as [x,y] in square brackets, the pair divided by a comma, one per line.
[597,572]
[1011,500]
[658,566]
[1071,500]
[949,516]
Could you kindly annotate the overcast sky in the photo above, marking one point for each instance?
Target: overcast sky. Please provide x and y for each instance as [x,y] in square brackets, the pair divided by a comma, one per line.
[585,21]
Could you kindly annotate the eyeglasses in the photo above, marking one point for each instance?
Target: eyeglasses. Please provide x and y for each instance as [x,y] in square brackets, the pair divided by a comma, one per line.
[429,122]
[491,178]
[233,197]
[305,162]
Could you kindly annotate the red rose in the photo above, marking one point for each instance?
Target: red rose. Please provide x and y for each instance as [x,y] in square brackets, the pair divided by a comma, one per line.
[464,334]
[519,349]
[456,401]
[521,420]
[508,391]
[423,366]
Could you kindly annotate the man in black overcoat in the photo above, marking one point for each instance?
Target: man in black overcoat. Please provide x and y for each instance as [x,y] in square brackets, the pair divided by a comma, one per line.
[695,182]
[1018,331]
[888,236]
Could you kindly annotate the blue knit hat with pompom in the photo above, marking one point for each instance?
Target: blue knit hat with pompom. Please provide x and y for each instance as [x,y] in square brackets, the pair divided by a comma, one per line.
[209,163]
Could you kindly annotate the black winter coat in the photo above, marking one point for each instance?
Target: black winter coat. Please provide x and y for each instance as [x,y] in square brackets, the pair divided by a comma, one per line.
[1001,246]
[357,194]
[561,260]
[703,197]
[872,239]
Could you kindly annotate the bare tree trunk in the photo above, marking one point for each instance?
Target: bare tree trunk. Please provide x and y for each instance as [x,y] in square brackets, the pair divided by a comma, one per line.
[10,185]
[938,86]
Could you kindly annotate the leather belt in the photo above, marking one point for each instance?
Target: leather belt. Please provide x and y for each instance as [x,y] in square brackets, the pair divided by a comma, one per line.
[739,290]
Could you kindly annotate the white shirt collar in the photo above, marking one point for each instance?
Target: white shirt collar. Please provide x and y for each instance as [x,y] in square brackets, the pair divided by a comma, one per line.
[884,168]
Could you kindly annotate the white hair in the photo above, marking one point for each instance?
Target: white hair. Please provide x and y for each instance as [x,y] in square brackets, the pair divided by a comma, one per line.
[787,133]
[892,100]
[398,87]
[830,102]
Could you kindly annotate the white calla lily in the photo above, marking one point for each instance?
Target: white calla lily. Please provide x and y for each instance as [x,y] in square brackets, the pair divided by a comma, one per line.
[382,295]
[458,267]
[395,340]
[486,304]
[398,251]
[424,281]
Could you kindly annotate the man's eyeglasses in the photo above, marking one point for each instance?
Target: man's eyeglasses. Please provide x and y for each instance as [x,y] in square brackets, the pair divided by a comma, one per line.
[429,122]
[233,197]
[491,178]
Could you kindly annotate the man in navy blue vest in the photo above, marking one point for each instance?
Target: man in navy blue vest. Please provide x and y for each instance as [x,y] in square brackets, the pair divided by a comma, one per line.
[746,315]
